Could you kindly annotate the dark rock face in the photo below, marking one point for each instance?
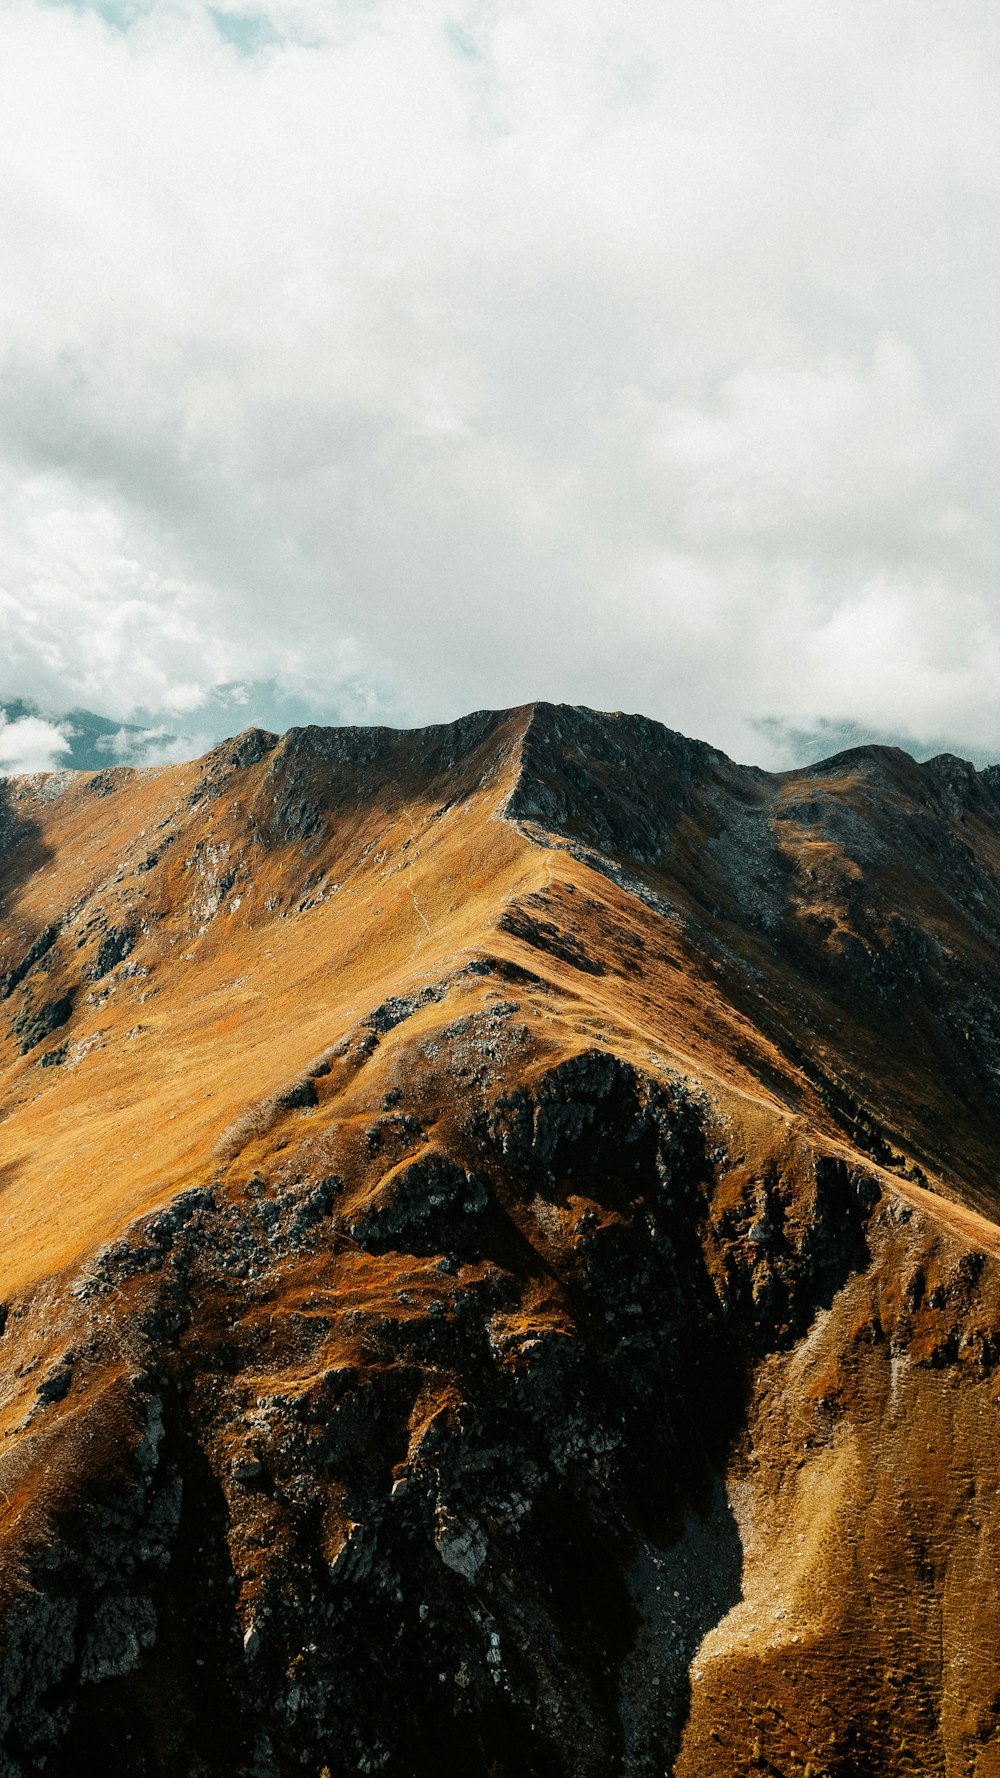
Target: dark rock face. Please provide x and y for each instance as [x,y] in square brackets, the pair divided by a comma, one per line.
[114,947]
[35,1023]
[470,1522]
[86,1614]
[34,954]
[253,745]
[428,1206]
[619,784]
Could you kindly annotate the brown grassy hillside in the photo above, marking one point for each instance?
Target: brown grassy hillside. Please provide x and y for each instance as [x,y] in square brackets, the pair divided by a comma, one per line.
[500,1260]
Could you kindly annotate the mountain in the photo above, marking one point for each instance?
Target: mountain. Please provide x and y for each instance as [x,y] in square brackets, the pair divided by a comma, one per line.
[501,1260]
[92,741]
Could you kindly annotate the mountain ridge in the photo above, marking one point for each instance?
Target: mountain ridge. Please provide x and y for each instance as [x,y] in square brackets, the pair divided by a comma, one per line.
[501,1260]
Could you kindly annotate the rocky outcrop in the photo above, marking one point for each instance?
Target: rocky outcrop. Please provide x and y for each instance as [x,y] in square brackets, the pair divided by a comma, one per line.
[469,1500]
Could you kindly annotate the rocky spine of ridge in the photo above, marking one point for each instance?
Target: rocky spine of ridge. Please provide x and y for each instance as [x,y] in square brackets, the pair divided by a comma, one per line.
[501,1266]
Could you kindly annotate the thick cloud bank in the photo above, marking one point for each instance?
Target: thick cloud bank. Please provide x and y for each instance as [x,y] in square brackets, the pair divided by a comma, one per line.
[30,744]
[410,357]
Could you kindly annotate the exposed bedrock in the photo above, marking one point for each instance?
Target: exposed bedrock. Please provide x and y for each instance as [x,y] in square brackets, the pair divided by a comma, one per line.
[441,1486]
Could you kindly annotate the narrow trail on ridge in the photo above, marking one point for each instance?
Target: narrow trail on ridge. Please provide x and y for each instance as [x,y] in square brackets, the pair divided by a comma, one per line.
[418,910]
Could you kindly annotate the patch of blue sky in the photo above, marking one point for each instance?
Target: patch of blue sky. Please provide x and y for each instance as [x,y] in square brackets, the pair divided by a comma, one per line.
[461,41]
[247,32]
[471,36]
[120,14]
[470,40]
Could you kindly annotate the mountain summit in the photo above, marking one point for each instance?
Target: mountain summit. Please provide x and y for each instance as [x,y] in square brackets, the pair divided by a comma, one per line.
[501,1260]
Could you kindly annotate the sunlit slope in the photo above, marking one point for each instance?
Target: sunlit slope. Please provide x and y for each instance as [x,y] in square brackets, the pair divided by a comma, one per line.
[205,932]
[261,902]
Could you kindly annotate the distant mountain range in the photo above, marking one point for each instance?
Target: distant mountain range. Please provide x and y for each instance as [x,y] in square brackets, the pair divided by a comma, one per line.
[94,741]
[154,736]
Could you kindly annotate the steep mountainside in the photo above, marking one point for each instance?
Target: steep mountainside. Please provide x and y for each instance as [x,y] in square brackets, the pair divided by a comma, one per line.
[501,1260]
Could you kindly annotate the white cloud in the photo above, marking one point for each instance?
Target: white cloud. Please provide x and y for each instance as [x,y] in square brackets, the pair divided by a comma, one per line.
[437,356]
[792,453]
[30,744]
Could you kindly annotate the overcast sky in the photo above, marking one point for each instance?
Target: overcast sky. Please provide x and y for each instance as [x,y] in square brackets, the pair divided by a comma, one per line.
[378,360]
